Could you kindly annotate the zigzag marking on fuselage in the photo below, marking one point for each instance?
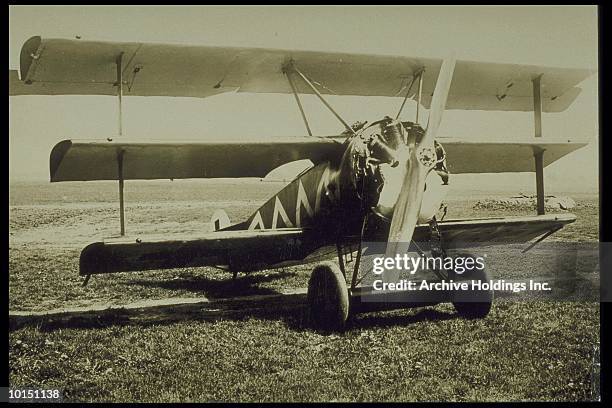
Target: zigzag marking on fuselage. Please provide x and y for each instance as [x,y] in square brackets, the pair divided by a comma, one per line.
[279,209]
[257,222]
[302,200]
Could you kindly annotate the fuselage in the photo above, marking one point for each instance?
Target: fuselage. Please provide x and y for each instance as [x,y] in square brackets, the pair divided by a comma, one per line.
[333,197]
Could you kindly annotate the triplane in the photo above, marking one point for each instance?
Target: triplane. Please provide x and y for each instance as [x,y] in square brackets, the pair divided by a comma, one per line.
[376,182]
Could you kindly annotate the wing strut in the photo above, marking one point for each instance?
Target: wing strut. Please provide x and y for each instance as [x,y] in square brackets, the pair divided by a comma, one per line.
[121,206]
[299,103]
[539,153]
[414,77]
[119,63]
[291,67]
[419,97]
[418,75]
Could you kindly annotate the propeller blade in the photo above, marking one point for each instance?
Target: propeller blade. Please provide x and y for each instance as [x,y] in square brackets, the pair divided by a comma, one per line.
[422,160]
[438,101]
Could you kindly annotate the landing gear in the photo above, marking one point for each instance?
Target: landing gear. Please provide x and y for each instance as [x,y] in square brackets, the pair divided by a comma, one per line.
[471,304]
[328,297]
[330,301]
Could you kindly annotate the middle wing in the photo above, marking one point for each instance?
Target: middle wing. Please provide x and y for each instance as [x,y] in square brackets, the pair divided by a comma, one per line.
[99,160]
[488,156]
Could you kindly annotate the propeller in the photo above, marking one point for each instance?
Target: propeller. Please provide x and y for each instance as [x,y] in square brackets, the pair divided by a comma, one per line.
[421,161]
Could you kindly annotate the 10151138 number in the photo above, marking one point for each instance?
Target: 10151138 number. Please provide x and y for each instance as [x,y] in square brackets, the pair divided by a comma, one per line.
[33,394]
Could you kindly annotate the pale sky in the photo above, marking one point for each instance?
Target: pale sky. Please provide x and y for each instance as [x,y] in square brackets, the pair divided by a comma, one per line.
[564,36]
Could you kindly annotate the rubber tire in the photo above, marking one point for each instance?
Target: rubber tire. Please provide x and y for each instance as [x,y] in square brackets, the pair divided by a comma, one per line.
[328,297]
[480,301]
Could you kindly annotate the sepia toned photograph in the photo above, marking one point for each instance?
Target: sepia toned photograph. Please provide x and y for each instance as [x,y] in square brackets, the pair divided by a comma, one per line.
[304,204]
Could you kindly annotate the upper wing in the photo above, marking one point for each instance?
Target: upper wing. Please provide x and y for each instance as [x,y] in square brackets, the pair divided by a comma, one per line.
[99,160]
[60,67]
[464,156]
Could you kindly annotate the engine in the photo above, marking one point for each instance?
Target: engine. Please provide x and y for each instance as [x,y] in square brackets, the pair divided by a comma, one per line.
[378,157]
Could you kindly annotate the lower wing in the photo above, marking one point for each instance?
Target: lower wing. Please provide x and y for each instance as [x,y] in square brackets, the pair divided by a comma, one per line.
[485,231]
[238,250]
[245,250]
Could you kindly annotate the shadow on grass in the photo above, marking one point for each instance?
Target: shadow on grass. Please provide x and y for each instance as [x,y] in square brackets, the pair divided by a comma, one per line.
[369,320]
[218,289]
[293,314]
[230,299]
[375,319]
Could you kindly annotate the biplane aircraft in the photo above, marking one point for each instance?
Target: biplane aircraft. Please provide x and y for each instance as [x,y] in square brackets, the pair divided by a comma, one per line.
[374,182]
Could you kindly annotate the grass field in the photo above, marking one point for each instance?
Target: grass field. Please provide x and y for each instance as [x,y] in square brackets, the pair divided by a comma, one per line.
[535,350]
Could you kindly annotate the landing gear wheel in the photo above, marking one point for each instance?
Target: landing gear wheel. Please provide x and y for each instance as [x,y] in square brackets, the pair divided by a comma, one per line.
[471,304]
[328,297]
